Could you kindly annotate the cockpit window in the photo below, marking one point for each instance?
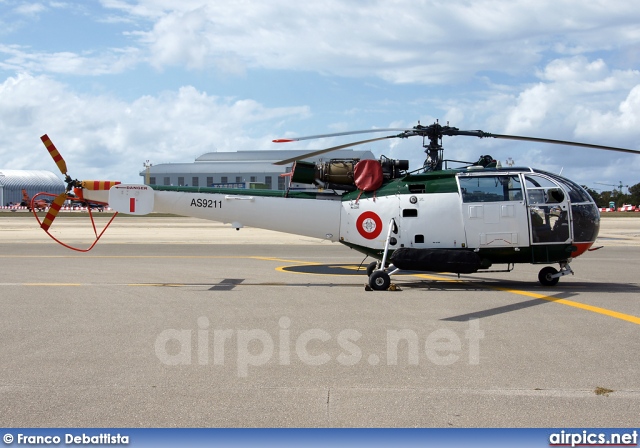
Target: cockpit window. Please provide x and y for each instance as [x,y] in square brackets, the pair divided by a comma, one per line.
[543,191]
[577,194]
[538,182]
[490,188]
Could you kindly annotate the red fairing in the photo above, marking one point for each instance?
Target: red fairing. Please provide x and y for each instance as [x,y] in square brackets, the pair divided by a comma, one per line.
[368,175]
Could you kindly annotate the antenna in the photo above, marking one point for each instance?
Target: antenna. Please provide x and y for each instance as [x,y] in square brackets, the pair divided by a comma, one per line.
[146,164]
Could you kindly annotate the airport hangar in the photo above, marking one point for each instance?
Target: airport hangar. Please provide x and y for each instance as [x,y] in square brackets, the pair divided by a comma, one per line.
[237,169]
[12,182]
[240,169]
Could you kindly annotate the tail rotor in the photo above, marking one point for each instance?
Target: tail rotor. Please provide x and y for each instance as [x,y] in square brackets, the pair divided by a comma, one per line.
[72,184]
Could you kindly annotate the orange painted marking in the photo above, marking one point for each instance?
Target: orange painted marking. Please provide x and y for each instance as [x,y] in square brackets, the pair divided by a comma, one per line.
[96,185]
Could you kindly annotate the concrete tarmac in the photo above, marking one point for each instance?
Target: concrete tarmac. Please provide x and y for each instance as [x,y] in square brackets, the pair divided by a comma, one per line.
[173,322]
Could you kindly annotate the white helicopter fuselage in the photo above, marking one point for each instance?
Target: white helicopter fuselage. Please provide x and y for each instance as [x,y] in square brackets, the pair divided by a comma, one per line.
[496,213]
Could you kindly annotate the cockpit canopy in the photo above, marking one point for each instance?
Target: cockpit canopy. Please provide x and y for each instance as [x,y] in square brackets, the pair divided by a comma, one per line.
[553,201]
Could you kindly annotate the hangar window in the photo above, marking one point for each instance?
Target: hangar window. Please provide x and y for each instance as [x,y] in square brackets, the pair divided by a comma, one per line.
[152,181]
[167,181]
[195,181]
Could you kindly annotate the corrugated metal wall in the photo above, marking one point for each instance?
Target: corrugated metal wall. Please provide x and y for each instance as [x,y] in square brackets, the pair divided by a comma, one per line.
[12,182]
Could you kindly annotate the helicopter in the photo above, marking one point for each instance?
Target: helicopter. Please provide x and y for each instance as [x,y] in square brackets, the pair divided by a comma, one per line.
[434,219]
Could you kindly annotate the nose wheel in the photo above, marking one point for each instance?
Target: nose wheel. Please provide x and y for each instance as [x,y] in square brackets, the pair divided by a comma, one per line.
[546,276]
[550,276]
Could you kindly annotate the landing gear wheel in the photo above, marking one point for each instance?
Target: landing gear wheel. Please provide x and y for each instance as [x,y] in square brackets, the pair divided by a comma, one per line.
[372,267]
[379,281]
[545,276]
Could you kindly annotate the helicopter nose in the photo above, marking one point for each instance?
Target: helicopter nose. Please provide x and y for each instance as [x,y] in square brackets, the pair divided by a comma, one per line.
[580,249]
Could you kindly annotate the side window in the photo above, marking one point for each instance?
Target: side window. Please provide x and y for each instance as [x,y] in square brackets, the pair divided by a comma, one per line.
[548,219]
[490,188]
[543,191]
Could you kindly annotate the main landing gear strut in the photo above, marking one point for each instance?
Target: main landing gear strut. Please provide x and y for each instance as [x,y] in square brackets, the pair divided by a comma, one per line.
[378,271]
[549,276]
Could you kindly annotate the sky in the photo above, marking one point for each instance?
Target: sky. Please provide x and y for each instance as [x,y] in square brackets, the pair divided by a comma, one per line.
[117,82]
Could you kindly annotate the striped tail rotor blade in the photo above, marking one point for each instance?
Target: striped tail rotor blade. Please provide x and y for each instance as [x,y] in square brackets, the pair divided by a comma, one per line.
[53,211]
[62,166]
[99,184]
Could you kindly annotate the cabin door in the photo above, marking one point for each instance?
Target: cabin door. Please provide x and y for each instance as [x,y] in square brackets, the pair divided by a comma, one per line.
[494,210]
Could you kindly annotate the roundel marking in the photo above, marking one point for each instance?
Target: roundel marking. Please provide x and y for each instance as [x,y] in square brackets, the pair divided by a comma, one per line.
[369,225]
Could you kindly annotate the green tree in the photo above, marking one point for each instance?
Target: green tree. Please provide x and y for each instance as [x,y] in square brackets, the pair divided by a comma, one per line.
[594,195]
[634,194]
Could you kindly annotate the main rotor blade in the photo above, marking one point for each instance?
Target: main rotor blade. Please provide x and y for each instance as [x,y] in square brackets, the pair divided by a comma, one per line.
[62,166]
[53,211]
[334,148]
[548,140]
[336,134]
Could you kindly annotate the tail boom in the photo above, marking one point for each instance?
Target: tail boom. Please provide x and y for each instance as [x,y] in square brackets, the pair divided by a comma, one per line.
[304,215]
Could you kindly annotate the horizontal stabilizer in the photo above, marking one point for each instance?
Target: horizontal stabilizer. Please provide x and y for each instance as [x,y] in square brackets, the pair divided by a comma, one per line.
[131,199]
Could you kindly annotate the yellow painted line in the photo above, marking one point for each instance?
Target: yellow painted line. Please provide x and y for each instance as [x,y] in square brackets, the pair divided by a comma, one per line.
[441,279]
[582,306]
[349,267]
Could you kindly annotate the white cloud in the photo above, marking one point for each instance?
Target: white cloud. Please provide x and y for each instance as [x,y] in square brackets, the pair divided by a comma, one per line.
[113,61]
[401,42]
[405,41]
[29,9]
[579,94]
[625,122]
[105,138]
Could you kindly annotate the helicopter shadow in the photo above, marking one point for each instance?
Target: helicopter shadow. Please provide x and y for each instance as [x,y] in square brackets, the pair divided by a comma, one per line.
[548,295]
[408,280]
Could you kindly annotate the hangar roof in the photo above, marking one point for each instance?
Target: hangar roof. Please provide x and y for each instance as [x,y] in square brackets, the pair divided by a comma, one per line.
[30,178]
[249,161]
